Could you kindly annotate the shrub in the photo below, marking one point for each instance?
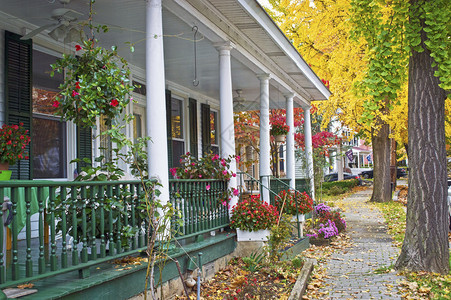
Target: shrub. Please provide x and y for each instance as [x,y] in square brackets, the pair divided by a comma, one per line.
[336,190]
[253,214]
[280,234]
[343,184]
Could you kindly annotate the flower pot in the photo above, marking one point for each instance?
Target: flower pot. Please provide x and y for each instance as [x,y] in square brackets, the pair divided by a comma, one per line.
[280,138]
[260,235]
[300,217]
[319,241]
[5,174]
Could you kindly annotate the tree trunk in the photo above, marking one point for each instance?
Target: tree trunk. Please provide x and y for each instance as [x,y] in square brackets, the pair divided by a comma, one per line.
[425,246]
[381,170]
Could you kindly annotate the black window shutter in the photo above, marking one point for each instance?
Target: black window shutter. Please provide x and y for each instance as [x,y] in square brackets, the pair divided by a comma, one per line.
[84,145]
[206,137]
[193,127]
[169,126]
[18,88]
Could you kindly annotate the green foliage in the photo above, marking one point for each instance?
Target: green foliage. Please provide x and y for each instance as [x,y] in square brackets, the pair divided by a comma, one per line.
[335,190]
[392,30]
[344,185]
[297,262]
[254,261]
[96,83]
[280,234]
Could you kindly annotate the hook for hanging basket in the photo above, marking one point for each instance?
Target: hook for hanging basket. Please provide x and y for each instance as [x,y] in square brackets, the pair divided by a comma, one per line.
[195,29]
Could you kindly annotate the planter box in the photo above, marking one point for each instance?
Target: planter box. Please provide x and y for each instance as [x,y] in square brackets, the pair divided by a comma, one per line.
[291,252]
[246,236]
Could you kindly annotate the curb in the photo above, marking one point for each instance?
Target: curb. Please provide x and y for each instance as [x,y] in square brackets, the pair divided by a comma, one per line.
[301,283]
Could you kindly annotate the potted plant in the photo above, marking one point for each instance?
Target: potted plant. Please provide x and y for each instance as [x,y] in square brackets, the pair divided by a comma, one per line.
[97,83]
[252,218]
[294,203]
[326,225]
[13,141]
[210,166]
[279,128]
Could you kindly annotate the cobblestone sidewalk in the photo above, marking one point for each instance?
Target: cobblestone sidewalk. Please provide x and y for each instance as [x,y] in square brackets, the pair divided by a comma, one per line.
[350,271]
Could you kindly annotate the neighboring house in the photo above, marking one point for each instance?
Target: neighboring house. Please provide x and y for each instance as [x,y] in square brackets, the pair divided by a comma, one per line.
[185,102]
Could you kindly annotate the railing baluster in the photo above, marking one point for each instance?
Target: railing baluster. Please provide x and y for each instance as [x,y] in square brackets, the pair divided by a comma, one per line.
[73,198]
[139,196]
[84,251]
[29,261]
[119,220]
[53,259]
[41,259]
[133,211]
[93,199]
[110,221]
[101,197]
[2,245]
[186,202]
[63,195]
[15,263]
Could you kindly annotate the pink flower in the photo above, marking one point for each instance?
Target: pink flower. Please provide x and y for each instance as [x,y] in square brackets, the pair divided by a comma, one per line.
[55,103]
[114,103]
[200,175]
[77,48]
[215,157]
[74,93]
[237,158]
[208,187]
[233,174]
[224,172]
[223,162]
[173,171]
[236,192]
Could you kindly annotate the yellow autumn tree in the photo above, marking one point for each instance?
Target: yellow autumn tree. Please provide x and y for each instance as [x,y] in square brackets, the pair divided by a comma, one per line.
[320,32]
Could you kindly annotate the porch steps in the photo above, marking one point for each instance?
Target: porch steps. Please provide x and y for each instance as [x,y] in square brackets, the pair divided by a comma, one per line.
[107,281]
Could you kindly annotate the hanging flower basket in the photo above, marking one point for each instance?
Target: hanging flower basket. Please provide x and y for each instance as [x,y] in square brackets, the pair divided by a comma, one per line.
[280,138]
[97,83]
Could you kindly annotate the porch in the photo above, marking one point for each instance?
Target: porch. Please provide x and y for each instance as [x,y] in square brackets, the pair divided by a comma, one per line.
[84,229]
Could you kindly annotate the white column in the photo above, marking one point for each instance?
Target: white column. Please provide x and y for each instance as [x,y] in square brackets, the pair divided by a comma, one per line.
[340,162]
[227,128]
[309,149]
[157,149]
[265,147]
[290,141]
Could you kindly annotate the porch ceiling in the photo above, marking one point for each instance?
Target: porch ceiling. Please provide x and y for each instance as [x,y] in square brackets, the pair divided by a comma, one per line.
[126,20]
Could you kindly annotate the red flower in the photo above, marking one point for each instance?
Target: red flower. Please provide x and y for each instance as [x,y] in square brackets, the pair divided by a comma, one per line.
[77,48]
[74,93]
[9,142]
[114,103]
[77,85]
[56,103]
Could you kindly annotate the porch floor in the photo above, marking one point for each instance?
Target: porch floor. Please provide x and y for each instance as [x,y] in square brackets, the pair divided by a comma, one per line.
[112,281]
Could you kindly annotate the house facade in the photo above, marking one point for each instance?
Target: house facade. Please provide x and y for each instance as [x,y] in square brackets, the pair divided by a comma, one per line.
[189,58]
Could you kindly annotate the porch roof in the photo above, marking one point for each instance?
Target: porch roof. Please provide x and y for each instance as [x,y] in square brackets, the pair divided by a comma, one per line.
[260,45]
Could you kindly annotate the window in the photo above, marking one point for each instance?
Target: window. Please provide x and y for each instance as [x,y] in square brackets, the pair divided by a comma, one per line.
[214,132]
[49,132]
[106,146]
[178,142]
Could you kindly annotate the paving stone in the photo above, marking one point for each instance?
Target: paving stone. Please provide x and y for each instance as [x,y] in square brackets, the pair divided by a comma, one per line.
[351,271]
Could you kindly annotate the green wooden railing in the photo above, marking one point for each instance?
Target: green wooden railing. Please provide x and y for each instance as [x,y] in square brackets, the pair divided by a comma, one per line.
[83,224]
[203,205]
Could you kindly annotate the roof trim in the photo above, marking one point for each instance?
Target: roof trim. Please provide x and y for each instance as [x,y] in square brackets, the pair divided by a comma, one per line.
[262,18]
